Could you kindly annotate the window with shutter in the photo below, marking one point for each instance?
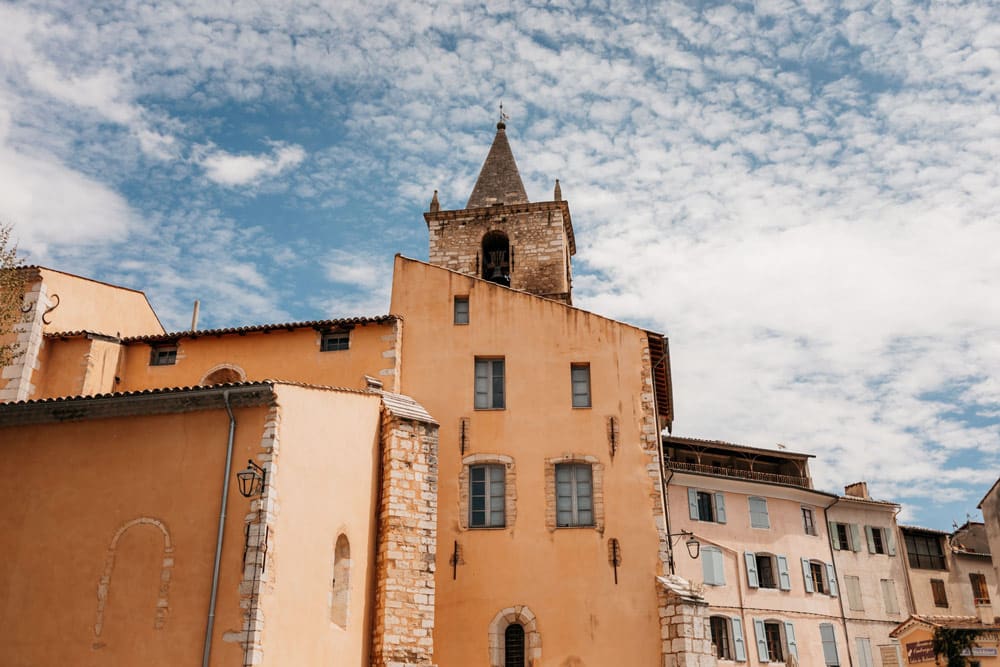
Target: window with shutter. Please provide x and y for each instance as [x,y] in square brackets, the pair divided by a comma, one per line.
[854,600]
[739,645]
[829,639]
[889,596]
[720,628]
[940,595]
[865,658]
[758,513]
[712,566]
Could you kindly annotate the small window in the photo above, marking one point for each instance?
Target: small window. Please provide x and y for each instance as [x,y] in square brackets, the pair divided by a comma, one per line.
[163,355]
[845,536]
[490,384]
[580,376]
[889,596]
[712,566]
[819,577]
[817,572]
[980,591]
[865,658]
[854,599]
[513,645]
[758,513]
[706,506]
[721,639]
[775,640]
[461,310]
[775,646]
[808,521]
[574,495]
[487,495]
[940,595]
[333,341]
[879,541]
[767,571]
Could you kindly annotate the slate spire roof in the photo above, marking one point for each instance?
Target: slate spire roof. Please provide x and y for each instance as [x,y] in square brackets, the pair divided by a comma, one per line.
[499,181]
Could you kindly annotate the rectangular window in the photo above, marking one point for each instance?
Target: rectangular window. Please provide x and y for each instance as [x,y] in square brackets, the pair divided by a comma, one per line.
[854,599]
[808,521]
[490,384]
[758,513]
[486,496]
[772,636]
[712,568]
[924,551]
[333,341]
[878,542]
[580,377]
[817,572]
[845,536]
[765,571]
[889,596]
[980,591]
[940,595]
[574,494]
[720,637]
[865,658]
[461,310]
[706,506]
[829,639]
[163,355]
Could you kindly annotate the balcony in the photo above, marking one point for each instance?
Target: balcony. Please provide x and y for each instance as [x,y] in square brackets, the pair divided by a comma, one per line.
[737,473]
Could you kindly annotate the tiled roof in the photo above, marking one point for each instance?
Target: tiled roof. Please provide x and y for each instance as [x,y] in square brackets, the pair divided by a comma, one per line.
[871,501]
[406,408]
[921,529]
[499,180]
[261,328]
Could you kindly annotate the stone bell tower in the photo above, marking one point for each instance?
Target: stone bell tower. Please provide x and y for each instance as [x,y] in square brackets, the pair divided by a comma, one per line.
[502,237]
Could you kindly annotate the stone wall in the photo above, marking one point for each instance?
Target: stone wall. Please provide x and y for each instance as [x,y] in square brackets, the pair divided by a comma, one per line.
[16,379]
[684,625]
[540,242]
[407,544]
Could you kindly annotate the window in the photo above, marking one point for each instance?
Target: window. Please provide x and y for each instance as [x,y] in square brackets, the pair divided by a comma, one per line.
[580,376]
[924,551]
[706,506]
[865,658]
[758,513]
[980,591]
[819,577]
[845,536]
[712,566]
[487,495]
[490,384]
[513,645]
[889,596]
[334,341]
[163,355]
[461,310]
[574,495]
[719,626]
[854,600]
[775,640]
[879,541]
[829,639]
[940,595]
[767,571]
[808,521]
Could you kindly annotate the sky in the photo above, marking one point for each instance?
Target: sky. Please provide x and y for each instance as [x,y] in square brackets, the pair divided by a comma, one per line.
[804,197]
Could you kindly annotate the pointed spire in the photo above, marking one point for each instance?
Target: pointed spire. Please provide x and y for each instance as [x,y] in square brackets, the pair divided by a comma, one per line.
[557,196]
[435,204]
[499,181]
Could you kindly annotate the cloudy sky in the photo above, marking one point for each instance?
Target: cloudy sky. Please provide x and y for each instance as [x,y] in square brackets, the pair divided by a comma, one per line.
[804,196]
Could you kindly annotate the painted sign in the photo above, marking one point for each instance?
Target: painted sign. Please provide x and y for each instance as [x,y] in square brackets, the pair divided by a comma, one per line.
[922,651]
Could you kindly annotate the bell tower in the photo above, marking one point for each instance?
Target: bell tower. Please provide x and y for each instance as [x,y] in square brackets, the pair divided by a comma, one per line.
[502,237]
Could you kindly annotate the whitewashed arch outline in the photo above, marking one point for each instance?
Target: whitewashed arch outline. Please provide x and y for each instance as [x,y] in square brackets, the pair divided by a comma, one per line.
[104,585]
[532,639]
[223,367]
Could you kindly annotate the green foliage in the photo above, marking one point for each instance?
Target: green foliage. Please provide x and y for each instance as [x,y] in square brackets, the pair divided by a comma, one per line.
[951,642]
[11,293]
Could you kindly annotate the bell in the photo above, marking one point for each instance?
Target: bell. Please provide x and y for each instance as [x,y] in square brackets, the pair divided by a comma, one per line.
[497,273]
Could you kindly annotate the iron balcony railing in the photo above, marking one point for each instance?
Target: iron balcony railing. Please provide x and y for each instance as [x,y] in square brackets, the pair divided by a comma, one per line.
[773,478]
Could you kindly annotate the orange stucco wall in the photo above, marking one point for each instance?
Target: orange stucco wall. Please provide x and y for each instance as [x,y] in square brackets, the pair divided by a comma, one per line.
[327,468]
[71,486]
[283,355]
[96,306]
[562,575]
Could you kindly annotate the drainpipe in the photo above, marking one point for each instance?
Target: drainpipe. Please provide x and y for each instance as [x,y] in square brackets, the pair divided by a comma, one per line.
[210,624]
[843,590]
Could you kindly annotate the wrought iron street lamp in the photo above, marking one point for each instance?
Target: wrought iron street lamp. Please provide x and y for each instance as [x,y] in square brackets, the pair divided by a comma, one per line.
[692,544]
[251,480]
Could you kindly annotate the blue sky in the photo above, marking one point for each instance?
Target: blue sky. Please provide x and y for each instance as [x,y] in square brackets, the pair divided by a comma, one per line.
[804,196]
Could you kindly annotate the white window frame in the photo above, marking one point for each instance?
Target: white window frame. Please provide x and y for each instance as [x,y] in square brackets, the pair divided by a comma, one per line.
[579,376]
[494,473]
[460,309]
[486,396]
[759,517]
[572,473]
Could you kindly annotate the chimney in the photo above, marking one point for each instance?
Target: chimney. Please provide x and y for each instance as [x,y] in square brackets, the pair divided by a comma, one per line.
[857,490]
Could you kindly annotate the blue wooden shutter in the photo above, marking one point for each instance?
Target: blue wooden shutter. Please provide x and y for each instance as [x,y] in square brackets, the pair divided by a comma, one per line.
[793,647]
[758,631]
[829,644]
[720,508]
[739,646]
[855,537]
[831,575]
[784,579]
[752,580]
[834,537]
[718,570]
[693,503]
[711,566]
[758,513]
[807,576]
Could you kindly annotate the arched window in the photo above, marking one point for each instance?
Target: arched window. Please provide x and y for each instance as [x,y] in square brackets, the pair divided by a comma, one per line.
[341,581]
[224,374]
[496,258]
[513,645]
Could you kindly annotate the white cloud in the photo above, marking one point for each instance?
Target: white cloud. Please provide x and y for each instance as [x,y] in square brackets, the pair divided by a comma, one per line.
[241,170]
